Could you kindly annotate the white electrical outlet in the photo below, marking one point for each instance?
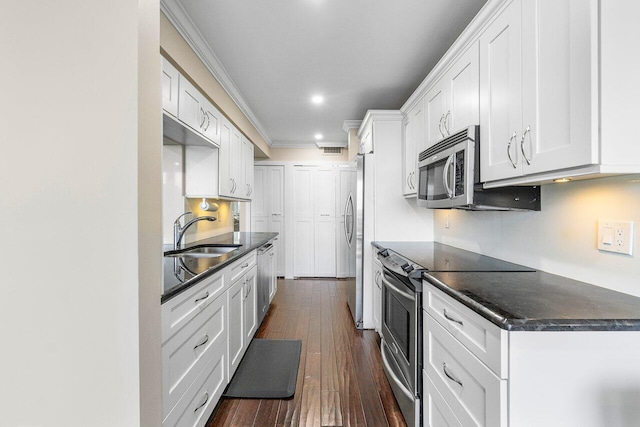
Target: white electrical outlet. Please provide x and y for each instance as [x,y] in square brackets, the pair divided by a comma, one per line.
[615,236]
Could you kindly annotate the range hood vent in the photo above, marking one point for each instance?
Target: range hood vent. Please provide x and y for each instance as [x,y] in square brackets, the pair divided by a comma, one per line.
[178,133]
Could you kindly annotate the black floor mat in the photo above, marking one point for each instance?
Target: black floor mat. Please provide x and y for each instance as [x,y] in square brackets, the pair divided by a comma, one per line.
[268,370]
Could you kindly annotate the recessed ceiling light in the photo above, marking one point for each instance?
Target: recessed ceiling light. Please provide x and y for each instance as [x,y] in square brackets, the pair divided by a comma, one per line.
[318,136]
[317,99]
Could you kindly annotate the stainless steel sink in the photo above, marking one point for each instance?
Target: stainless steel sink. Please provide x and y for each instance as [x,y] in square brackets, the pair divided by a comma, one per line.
[202,251]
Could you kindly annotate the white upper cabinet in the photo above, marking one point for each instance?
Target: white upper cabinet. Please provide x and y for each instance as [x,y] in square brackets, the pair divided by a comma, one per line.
[226,180]
[170,82]
[247,167]
[453,102]
[537,89]
[191,105]
[501,95]
[236,162]
[212,121]
[413,140]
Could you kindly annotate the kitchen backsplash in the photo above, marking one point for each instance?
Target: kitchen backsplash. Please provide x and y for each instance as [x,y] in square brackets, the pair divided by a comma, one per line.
[560,239]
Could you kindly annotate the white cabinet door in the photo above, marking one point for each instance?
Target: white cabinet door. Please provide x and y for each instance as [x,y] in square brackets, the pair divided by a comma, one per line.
[325,247]
[556,81]
[304,192]
[190,105]
[226,179]
[303,247]
[250,310]
[246,169]
[170,82]
[501,95]
[325,195]
[414,142]
[212,121]
[463,92]
[236,164]
[276,187]
[235,340]
[435,110]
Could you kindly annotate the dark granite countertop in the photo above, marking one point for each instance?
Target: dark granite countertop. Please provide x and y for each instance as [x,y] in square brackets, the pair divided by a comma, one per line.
[518,298]
[200,268]
[539,301]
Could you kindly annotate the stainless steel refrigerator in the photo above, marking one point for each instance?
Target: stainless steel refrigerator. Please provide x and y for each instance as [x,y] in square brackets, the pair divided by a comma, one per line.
[354,233]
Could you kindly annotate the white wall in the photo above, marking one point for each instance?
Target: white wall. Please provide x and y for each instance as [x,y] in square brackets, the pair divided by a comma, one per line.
[69,214]
[561,239]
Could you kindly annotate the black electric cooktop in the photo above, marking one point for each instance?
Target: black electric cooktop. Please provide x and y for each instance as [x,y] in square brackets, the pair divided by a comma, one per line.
[435,256]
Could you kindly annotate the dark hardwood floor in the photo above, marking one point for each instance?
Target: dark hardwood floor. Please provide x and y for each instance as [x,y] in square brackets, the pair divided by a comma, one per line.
[340,377]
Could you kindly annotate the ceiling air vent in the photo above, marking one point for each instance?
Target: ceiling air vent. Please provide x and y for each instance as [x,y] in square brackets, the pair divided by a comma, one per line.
[332,150]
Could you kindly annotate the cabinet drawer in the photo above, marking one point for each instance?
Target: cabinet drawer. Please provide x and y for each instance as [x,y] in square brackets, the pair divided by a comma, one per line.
[186,353]
[198,403]
[241,266]
[179,310]
[435,411]
[484,339]
[474,393]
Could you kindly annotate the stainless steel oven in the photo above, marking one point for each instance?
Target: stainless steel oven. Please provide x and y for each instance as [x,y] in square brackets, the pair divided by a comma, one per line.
[401,345]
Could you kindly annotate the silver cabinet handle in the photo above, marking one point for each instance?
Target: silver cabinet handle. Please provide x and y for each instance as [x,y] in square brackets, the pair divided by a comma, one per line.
[408,185]
[203,117]
[411,175]
[526,159]
[206,399]
[451,377]
[245,265]
[206,339]
[247,189]
[206,295]
[206,117]
[513,137]
[452,319]
[446,119]
[440,126]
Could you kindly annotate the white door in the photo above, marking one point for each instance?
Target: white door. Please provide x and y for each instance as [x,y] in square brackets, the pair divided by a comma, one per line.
[501,96]
[303,247]
[212,121]
[463,80]
[261,192]
[303,195]
[325,195]
[325,247]
[557,91]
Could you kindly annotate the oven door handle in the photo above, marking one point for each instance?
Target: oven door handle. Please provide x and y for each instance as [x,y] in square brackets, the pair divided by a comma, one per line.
[393,376]
[396,290]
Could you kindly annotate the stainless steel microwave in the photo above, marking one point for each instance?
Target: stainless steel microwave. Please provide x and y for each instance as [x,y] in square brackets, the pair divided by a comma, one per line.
[449,177]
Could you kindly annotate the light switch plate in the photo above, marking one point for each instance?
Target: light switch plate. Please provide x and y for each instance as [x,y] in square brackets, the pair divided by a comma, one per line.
[615,236]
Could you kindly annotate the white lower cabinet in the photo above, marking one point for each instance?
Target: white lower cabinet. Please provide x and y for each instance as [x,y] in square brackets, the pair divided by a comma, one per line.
[477,374]
[436,411]
[200,400]
[206,330]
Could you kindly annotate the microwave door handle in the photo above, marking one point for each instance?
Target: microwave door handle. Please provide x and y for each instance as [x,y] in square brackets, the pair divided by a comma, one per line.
[445,176]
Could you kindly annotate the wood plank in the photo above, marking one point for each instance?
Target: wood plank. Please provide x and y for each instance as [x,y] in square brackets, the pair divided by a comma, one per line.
[224,413]
[267,413]
[310,407]
[246,413]
[330,411]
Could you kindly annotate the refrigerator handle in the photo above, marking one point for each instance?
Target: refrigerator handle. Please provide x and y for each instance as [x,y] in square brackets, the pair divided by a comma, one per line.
[346,226]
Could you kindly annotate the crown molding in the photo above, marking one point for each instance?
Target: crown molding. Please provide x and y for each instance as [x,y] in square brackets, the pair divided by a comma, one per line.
[351,124]
[379,115]
[469,35]
[175,13]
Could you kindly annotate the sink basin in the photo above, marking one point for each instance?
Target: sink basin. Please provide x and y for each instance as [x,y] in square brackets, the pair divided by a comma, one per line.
[202,251]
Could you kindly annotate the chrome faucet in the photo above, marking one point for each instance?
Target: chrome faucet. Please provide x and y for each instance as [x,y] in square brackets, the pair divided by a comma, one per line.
[178,231]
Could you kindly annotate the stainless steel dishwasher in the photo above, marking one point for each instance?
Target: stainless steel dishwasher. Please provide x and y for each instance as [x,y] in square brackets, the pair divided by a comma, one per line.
[265,273]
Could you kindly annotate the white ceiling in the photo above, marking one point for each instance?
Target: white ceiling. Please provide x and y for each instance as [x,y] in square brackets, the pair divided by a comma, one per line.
[358,54]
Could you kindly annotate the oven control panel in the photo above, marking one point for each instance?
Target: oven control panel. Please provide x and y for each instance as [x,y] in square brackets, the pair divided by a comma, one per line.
[399,265]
